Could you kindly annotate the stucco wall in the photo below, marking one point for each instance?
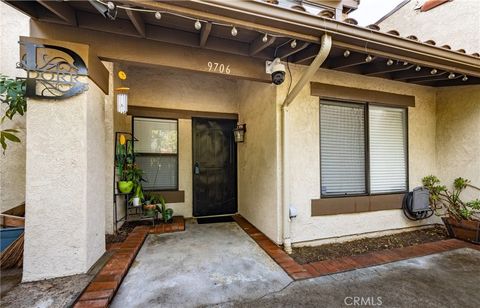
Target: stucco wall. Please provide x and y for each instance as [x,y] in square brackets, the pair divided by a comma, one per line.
[304,156]
[12,164]
[454,23]
[65,199]
[257,158]
[458,136]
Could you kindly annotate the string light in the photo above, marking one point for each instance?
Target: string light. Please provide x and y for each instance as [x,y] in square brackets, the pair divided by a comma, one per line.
[158,15]
[198,25]
[405,63]
[293,44]
[433,72]
[265,38]
[418,68]
[346,53]
[451,76]
[390,62]
[465,78]
[110,5]
[234,31]
[368,58]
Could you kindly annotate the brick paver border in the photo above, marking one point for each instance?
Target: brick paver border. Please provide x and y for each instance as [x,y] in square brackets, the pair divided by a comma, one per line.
[105,284]
[327,267]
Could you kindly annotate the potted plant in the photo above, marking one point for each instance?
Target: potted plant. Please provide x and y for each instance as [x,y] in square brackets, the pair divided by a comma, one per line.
[124,164]
[461,218]
[149,206]
[167,213]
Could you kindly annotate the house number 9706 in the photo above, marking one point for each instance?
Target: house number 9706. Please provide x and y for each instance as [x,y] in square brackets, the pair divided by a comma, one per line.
[218,67]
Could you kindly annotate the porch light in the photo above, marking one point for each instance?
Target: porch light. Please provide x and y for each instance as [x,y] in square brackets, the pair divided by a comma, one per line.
[239,132]
[122,99]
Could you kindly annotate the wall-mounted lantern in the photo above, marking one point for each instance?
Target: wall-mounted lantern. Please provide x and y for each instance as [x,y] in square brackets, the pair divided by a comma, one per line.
[239,132]
[122,95]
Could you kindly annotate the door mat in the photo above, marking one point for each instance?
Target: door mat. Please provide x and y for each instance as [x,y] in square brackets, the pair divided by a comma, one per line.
[212,220]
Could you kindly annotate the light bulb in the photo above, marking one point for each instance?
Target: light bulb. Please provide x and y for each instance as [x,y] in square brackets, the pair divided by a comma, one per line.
[451,76]
[433,72]
[418,68]
[198,25]
[234,31]
[465,78]
[405,63]
[265,38]
[346,53]
[110,5]
[368,58]
[293,44]
[158,16]
[389,62]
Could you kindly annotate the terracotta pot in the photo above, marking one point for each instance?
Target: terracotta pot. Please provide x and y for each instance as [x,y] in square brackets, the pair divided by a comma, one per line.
[467,230]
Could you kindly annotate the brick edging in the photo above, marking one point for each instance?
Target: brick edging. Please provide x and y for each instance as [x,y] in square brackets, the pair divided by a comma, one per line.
[321,268]
[102,288]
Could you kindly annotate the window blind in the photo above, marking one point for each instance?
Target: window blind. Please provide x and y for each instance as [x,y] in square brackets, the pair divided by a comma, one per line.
[156,152]
[342,148]
[388,149]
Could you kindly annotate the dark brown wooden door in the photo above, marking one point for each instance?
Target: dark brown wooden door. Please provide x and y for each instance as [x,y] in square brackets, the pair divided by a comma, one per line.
[214,167]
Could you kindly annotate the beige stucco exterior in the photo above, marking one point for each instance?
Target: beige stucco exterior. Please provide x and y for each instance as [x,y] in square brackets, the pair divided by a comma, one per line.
[65,175]
[12,165]
[304,156]
[454,23]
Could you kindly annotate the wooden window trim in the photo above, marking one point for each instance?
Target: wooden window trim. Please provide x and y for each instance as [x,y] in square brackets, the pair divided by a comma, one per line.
[164,113]
[357,204]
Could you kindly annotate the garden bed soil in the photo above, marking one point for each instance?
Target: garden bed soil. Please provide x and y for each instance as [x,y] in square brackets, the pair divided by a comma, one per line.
[310,254]
[128,227]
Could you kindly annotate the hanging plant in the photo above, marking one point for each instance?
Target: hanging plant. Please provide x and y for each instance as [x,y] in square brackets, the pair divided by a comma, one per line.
[12,93]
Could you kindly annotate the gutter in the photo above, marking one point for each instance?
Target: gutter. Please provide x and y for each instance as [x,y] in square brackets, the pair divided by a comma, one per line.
[326,46]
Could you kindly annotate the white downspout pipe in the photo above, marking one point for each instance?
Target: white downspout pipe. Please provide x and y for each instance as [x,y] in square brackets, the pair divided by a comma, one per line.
[326,45]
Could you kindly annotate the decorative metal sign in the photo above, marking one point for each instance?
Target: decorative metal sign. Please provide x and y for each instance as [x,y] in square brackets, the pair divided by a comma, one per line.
[52,71]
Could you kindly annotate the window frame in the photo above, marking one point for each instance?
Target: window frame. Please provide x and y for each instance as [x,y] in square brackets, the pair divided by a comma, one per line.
[176,188]
[366,115]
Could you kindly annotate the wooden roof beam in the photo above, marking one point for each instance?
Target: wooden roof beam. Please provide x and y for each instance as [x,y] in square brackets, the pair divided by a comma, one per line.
[204,33]
[137,21]
[287,50]
[439,77]
[258,44]
[62,10]
[412,74]
[382,67]
[306,54]
[343,62]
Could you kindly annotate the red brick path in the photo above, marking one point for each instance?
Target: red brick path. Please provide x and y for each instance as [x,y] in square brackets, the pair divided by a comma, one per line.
[102,288]
[327,267]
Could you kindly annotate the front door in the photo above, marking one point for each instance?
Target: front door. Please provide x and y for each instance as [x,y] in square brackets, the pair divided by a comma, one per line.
[214,167]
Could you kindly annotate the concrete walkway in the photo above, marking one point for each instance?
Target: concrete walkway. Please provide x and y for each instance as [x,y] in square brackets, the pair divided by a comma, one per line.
[206,264]
[220,265]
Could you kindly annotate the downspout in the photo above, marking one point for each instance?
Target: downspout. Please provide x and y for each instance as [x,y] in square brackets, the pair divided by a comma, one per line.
[326,45]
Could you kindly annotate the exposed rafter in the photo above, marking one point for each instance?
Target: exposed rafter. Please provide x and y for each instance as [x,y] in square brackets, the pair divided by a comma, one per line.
[342,62]
[381,67]
[258,44]
[204,33]
[137,21]
[440,77]
[412,74]
[287,50]
[306,54]
[61,9]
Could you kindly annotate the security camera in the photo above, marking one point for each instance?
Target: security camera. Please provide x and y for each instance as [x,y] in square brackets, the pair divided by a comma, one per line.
[277,70]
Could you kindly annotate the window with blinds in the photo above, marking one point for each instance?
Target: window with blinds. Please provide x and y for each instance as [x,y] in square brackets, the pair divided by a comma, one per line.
[388,149]
[156,152]
[342,148]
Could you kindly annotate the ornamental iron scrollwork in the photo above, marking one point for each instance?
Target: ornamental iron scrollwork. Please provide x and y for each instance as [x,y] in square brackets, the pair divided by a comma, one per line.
[52,71]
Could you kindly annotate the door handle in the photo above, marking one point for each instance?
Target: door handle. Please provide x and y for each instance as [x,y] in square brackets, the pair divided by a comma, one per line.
[196,168]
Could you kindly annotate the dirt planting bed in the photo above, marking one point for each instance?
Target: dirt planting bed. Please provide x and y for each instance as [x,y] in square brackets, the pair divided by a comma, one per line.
[305,255]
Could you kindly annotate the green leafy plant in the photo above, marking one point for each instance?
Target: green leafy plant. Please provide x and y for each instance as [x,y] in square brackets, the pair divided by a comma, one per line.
[447,202]
[12,93]
[167,213]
